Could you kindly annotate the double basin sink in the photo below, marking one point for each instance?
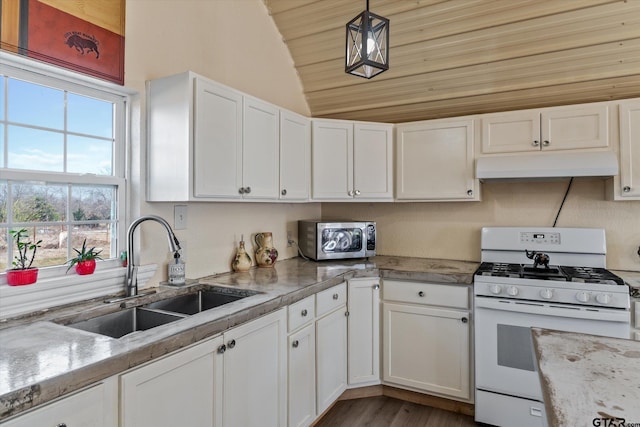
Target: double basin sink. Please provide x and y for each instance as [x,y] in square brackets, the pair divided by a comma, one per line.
[151,315]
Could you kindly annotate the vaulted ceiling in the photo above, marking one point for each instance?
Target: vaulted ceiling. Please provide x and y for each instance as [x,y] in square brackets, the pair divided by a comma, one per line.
[459,57]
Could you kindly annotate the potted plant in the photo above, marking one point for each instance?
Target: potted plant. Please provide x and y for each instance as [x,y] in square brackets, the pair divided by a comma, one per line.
[22,273]
[85,260]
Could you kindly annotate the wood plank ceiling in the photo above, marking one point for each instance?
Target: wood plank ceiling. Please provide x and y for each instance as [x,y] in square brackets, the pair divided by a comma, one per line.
[459,57]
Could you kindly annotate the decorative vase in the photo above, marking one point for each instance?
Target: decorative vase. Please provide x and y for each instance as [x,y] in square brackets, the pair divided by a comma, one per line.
[86,267]
[22,277]
[266,254]
[242,261]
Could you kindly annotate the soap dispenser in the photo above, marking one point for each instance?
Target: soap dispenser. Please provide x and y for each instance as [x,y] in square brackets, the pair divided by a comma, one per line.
[176,270]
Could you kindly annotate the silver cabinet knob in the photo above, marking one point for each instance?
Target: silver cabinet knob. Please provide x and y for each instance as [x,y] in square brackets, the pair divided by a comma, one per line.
[231,344]
[295,344]
[421,294]
[335,296]
[626,189]
[62,425]
[346,313]
[464,320]
[247,190]
[350,193]
[283,192]
[304,313]
[222,349]
[241,190]
[535,143]
[469,193]
[376,286]
[546,143]
[357,192]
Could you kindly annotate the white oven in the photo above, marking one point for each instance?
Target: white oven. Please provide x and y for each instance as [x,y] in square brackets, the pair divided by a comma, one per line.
[511,297]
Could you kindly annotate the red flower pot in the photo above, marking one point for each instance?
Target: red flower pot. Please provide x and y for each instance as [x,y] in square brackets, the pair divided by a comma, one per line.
[22,277]
[86,267]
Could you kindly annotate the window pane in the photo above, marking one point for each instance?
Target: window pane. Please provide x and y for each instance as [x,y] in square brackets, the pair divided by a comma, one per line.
[89,116]
[3,200]
[52,250]
[2,98]
[35,149]
[89,155]
[39,203]
[92,203]
[35,105]
[1,145]
[3,248]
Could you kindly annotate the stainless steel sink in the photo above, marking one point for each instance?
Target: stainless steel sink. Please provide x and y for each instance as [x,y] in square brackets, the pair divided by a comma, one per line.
[121,323]
[206,299]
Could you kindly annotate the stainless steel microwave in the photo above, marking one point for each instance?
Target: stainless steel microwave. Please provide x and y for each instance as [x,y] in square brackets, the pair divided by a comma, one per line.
[320,240]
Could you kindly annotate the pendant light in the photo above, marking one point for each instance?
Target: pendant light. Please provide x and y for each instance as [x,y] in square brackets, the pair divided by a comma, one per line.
[367,45]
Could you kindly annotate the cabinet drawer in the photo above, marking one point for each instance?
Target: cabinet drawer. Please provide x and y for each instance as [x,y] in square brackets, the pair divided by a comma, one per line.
[331,299]
[426,293]
[301,313]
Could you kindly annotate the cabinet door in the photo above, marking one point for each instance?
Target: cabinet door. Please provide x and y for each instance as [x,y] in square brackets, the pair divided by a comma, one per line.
[302,380]
[255,373]
[373,161]
[575,127]
[511,132]
[295,156]
[93,407]
[331,358]
[435,161]
[260,150]
[217,153]
[363,327]
[188,379]
[630,150]
[427,349]
[332,160]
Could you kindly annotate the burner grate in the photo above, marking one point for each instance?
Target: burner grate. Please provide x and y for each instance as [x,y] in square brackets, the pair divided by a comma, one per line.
[560,273]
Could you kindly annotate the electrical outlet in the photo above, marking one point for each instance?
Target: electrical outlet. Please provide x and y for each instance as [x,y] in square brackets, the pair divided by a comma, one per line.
[289,239]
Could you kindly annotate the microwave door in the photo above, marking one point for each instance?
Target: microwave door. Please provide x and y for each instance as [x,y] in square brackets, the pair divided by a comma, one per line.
[335,243]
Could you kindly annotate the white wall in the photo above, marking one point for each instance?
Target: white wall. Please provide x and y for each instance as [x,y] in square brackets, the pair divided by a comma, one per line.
[236,43]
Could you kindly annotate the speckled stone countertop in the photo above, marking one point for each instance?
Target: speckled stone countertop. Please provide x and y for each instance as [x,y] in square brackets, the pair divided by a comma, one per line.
[586,377]
[41,359]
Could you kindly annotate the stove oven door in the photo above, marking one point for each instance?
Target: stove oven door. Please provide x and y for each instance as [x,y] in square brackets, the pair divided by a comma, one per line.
[504,356]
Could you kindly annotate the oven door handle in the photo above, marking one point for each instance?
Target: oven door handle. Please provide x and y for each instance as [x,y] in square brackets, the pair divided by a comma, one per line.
[610,315]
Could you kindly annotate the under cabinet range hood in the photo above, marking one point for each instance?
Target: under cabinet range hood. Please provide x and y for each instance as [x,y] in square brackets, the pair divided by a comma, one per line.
[547,165]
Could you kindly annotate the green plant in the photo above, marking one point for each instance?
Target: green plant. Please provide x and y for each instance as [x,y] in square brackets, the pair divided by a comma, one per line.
[22,261]
[84,254]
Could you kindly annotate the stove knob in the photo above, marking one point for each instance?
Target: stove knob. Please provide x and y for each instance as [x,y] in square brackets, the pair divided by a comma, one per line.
[512,290]
[495,289]
[603,298]
[583,296]
[546,293]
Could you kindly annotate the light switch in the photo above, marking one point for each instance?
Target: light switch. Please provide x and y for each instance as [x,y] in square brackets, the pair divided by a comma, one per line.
[180,217]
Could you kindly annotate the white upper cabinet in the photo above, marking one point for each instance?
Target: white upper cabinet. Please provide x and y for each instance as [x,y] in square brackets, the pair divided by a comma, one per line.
[560,128]
[435,161]
[295,156]
[627,185]
[351,161]
[260,150]
[207,141]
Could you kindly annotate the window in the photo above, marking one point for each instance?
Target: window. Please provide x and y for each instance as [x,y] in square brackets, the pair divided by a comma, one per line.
[62,168]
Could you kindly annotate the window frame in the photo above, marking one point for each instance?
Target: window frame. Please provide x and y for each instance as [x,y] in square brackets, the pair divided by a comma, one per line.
[60,285]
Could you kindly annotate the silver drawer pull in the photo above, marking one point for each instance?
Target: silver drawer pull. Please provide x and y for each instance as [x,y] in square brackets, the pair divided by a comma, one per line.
[420,294]
[304,313]
[376,287]
[335,296]
[295,344]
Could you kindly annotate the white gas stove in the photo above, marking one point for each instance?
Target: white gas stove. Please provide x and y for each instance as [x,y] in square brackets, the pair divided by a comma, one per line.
[552,278]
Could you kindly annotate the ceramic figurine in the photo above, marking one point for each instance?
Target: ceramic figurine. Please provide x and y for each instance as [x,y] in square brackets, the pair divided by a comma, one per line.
[242,261]
[266,254]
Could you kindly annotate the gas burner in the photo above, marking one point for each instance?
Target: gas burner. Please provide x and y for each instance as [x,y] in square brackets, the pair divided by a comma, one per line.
[592,275]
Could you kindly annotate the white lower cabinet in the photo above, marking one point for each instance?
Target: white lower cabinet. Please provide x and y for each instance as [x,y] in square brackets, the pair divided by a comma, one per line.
[427,347]
[190,380]
[96,406]
[331,346]
[363,326]
[302,380]
[254,379]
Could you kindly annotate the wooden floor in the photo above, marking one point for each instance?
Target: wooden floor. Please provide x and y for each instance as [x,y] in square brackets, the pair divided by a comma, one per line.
[383,411]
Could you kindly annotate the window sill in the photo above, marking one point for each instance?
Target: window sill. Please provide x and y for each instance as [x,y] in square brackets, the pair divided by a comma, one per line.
[53,289]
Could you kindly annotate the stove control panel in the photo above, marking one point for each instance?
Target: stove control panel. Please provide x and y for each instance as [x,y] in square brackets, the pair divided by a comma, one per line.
[540,238]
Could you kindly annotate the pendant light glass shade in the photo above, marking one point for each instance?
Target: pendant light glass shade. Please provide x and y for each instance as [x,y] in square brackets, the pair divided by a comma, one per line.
[367,45]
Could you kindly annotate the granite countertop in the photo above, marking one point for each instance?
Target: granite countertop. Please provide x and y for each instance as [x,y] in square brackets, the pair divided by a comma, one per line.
[586,378]
[41,359]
